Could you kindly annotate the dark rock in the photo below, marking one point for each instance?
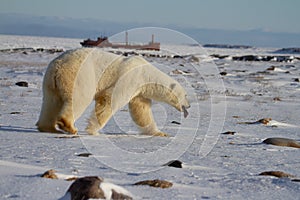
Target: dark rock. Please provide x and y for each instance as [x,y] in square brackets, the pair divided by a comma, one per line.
[295,180]
[278,174]
[288,50]
[229,133]
[264,120]
[272,68]
[156,183]
[245,58]
[175,122]
[52,51]
[15,113]
[296,80]
[22,84]
[50,174]
[67,136]
[226,46]
[219,56]
[263,58]
[86,188]
[91,187]
[40,49]
[174,163]
[223,73]
[282,142]
[84,154]
[276,99]
[261,121]
[177,56]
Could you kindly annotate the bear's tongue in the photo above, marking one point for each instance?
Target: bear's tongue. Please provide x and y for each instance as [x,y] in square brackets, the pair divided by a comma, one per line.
[185,112]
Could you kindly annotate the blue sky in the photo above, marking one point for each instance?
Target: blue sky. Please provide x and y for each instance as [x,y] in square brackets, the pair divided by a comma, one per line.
[268,15]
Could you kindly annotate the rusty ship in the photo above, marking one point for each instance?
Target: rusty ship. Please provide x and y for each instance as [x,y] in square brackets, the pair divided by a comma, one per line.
[104,42]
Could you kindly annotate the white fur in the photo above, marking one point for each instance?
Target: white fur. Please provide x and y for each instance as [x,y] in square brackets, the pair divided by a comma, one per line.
[77,77]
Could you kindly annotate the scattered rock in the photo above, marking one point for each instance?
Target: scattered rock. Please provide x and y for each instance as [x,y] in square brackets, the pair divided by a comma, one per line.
[177,56]
[84,154]
[15,113]
[288,50]
[219,56]
[223,73]
[296,80]
[85,188]
[276,99]
[175,122]
[278,174]
[261,121]
[295,180]
[156,183]
[282,142]
[67,136]
[264,120]
[225,156]
[272,68]
[266,58]
[245,58]
[93,187]
[174,163]
[50,174]
[227,46]
[229,133]
[22,84]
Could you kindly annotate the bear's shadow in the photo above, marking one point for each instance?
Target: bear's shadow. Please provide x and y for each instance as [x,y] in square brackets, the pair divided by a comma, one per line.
[18,129]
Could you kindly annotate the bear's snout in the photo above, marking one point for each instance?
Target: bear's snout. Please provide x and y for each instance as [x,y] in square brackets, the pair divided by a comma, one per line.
[185,112]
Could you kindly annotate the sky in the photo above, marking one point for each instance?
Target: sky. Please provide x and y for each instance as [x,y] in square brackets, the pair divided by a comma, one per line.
[267,15]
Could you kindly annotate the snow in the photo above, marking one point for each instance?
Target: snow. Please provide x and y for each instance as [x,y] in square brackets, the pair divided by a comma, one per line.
[108,187]
[215,166]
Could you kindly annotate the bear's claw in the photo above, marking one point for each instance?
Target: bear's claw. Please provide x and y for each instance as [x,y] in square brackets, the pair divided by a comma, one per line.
[161,134]
[63,125]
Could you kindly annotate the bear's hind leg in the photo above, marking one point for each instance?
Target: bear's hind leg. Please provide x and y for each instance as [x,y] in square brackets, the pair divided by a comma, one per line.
[101,114]
[140,111]
[51,107]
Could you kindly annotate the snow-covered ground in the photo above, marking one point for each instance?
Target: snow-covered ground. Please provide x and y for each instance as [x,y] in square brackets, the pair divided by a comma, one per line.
[216,166]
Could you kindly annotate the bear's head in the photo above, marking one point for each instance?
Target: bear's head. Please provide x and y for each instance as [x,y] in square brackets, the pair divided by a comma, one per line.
[178,97]
[171,93]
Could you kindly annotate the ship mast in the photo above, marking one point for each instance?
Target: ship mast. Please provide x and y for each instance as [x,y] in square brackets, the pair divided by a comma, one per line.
[126,38]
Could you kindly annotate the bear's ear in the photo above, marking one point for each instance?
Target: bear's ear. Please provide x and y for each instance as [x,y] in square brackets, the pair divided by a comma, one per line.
[172,86]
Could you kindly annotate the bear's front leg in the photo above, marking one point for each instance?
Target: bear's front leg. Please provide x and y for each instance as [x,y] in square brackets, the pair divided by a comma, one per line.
[101,114]
[140,111]
[66,120]
[66,125]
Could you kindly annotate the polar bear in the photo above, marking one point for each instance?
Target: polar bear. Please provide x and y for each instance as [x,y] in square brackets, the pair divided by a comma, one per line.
[77,77]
